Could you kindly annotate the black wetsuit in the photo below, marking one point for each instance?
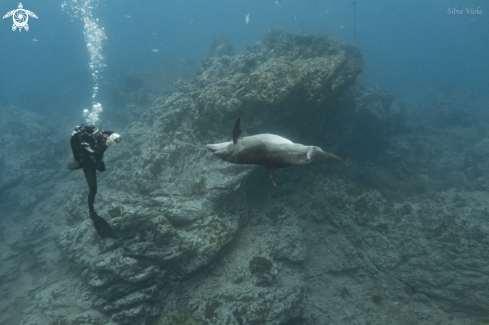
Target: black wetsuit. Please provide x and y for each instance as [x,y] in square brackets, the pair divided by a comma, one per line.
[88,152]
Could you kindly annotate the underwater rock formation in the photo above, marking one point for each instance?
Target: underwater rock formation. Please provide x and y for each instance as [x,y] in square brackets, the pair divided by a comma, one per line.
[282,78]
[29,156]
[177,202]
[200,241]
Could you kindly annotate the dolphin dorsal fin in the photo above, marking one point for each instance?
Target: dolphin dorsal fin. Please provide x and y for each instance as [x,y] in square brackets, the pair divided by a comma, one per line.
[236,131]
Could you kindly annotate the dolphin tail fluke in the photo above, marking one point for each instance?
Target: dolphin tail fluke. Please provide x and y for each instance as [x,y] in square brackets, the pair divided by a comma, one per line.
[317,152]
[329,155]
[273,175]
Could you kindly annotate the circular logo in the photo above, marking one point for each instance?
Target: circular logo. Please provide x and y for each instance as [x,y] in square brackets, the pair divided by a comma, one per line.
[20,18]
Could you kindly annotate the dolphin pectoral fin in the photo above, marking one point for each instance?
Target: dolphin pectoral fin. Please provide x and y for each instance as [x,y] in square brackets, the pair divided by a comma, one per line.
[236,131]
[273,175]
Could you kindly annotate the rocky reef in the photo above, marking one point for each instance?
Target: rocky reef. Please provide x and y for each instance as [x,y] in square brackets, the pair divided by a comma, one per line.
[400,238]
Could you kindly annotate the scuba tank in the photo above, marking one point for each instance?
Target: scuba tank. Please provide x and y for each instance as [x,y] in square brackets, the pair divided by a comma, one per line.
[91,137]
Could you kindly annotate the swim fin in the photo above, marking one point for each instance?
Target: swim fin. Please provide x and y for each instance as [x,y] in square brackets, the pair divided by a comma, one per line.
[101,226]
[101,167]
[75,165]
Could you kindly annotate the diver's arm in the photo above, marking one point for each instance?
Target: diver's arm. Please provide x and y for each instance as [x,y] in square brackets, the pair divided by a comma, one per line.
[113,138]
[100,149]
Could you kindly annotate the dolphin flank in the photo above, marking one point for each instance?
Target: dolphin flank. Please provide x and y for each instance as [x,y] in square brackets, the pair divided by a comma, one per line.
[268,150]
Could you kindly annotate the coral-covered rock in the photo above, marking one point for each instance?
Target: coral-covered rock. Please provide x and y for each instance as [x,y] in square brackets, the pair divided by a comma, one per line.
[179,203]
[276,78]
[399,238]
[31,154]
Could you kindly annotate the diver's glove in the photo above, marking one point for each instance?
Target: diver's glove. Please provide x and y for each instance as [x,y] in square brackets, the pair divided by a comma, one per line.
[114,137]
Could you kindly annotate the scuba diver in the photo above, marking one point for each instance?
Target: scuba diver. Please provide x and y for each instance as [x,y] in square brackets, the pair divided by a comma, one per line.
[89,144]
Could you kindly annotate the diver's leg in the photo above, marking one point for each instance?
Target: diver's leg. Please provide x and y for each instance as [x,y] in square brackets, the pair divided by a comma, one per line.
[101,166]
[103,228]
[91,176]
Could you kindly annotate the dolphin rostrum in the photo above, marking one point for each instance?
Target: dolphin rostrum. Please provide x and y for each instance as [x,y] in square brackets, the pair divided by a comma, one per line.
[268,150]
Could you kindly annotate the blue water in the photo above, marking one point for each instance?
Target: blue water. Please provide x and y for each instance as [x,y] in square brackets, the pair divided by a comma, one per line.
[409,47]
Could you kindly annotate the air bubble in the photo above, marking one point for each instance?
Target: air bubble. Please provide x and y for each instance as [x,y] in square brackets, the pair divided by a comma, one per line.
[94,37]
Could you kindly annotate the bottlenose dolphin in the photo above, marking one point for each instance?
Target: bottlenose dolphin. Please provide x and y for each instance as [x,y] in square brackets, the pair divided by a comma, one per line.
[268,150]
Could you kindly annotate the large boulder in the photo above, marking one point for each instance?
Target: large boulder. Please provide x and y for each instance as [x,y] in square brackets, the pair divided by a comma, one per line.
[173,204]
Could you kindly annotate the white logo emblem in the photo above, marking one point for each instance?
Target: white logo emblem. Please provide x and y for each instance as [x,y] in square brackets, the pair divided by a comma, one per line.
[20,17]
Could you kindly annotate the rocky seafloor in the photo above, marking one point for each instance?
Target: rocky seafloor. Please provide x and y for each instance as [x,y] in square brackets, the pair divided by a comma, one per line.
[400,238]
